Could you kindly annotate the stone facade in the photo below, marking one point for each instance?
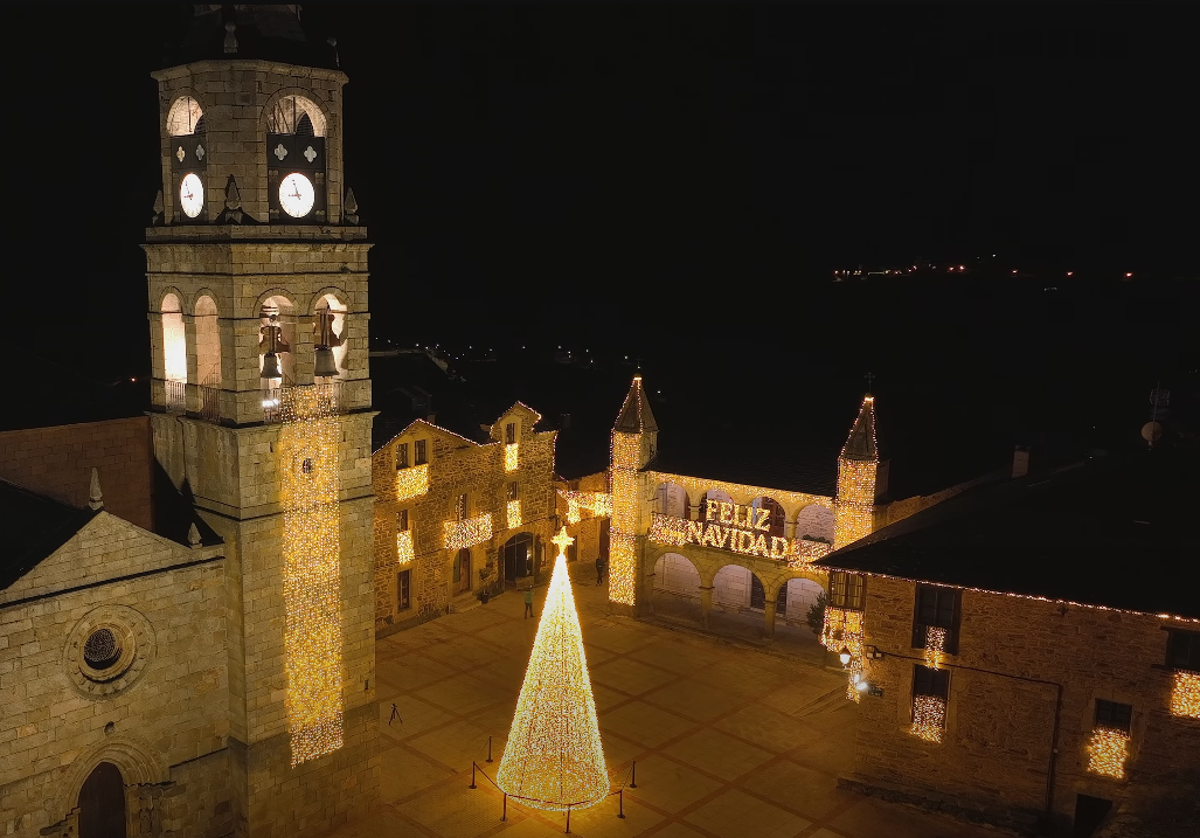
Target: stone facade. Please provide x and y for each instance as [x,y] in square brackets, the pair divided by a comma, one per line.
[160,713]
[455,466]
[1021,711]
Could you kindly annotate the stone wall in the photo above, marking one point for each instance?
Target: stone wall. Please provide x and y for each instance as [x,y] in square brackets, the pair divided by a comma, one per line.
[57,462]
[456,466]
[167,710]
[1024,669]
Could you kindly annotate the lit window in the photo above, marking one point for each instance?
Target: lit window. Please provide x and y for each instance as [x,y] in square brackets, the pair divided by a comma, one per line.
[847,590]
[1112,715]
[931,692]
[939,607]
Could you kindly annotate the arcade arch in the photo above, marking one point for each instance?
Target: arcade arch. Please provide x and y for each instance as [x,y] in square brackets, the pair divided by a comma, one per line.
[672,499]
[815,522]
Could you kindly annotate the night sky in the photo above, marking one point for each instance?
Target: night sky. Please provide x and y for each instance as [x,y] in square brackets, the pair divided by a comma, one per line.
[680,183]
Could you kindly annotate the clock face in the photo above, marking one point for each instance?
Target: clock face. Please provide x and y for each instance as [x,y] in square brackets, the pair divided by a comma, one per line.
[296,195]
[191,195]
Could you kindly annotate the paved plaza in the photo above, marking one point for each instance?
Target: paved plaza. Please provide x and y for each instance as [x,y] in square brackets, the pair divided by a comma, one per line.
[729,740]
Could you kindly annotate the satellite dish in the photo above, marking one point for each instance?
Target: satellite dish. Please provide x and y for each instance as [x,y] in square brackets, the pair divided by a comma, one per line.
[1151,432]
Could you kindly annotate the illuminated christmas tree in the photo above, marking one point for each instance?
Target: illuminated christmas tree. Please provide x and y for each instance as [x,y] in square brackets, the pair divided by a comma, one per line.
[554,759]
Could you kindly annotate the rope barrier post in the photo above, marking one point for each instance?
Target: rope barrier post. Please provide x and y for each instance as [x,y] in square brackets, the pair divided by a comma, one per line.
[633,783]
[504,812]
[568,820]
[489,759]
[472,775]
[621,803]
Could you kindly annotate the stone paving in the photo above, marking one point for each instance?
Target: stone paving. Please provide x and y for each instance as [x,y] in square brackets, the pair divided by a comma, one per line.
[729,740]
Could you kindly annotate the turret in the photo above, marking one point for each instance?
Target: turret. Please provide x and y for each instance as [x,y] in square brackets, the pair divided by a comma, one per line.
[862,478]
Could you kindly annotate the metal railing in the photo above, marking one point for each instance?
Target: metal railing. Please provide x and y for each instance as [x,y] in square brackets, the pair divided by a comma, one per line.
[175,395]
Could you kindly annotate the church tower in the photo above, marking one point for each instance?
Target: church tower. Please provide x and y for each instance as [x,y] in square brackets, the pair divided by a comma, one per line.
[634,444]
[862,479]
[261,401]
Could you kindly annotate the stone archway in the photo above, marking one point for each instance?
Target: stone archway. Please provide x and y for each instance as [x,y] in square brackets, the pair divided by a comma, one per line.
[102,803]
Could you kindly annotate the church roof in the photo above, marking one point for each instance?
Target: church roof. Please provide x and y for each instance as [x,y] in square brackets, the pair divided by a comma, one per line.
[861,444]
[636,415]
[1113,531]
[272,33]
[34,527]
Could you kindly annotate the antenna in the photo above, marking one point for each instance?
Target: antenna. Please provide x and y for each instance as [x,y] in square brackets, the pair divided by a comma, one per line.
[870,377]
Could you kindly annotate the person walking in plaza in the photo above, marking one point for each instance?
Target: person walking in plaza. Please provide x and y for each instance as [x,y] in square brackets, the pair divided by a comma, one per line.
[529,602]
[599,570]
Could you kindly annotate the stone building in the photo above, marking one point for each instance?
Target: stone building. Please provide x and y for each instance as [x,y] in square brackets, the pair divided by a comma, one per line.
[738,530]
[235,679]
[1029,653]
[454,517]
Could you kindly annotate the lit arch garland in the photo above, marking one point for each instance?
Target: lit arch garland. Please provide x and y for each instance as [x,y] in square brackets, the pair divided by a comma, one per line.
[554,758]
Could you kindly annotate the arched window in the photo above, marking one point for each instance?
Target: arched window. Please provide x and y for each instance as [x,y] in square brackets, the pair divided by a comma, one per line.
[297,115]
[277,331]
[777,519]
[336,331]
[208,357]
[174,353]
[185,118]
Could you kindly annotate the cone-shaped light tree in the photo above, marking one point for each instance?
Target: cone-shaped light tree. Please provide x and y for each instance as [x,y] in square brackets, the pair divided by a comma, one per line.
[554,759]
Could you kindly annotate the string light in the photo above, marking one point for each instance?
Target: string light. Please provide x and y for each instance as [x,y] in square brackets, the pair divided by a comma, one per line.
[511,451]
[310,464]
[935,645]
[598,503]
[929,717]
[857,472]
[573,516]
[1185,695]
[554,758]
[1107,751]
[404,547]
[412,482]
[622,547]
[698,486]
[843,629]
[678,532]
[467,532]
[514,514]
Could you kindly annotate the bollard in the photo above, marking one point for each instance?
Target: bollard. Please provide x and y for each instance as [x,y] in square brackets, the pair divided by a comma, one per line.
[633,780]
[504,812]
[489,759]
[621,803]
[472,775]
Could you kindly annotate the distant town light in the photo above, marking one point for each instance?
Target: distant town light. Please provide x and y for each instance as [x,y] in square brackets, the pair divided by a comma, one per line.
[1070,273]
[1014,270]
[1128,274]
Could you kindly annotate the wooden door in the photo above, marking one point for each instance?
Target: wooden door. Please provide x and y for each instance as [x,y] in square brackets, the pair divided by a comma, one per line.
[102,803]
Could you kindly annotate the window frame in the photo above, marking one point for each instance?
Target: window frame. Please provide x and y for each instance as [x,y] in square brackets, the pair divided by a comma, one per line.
[1114,715]
[510,433]
[404,589]
[514,490]
[402,520]
[1183,650]
[420,452]
[948,616]
[401,455]
[847,590]
[932,682]
[462,506]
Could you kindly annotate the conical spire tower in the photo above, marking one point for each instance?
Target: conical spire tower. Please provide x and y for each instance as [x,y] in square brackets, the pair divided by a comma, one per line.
[862,478]
[554,759]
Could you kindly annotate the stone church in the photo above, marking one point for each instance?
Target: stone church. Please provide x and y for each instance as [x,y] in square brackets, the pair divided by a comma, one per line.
[186,602]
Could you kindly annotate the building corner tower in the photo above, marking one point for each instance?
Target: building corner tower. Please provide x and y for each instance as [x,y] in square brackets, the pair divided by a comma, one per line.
[634,445]
[261,402]
[862,479]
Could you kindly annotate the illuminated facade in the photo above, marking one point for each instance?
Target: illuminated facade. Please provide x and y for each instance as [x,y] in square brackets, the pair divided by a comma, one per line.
[455,517]
[1008,674]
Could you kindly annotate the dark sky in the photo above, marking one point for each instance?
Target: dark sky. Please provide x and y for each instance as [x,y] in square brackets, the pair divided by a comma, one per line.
[619,175]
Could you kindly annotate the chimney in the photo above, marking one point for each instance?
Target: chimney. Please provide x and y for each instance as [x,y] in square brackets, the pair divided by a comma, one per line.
[1020,466]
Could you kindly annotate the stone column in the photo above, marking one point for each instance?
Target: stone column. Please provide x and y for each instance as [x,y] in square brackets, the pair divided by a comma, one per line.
[769,619]
[706,594]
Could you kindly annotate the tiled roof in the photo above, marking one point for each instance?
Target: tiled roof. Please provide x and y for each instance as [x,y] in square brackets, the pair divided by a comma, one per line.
[1113,531]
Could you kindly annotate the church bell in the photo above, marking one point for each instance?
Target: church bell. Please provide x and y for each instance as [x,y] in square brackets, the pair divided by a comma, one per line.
[271,366]
[325,366]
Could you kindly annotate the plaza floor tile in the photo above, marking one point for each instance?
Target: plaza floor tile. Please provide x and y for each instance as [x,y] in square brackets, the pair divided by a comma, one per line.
[404,773]
[694,699]
[735,814]
[717,753]
[630,676]
[461,694]
[412,672]
[767,728]
[871,818]
[812,793]
[667,785]
[646,725]
[415,717]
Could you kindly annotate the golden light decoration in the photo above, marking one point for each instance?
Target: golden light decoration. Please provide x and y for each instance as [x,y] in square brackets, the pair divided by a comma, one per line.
[514,514]
[935,645]
[843,629]
[310,465]
[622,547]
[1185,695]
[404,547]
[854,508]
[467,532]
[598,503]
[412,482]
[554,758]
[929,717]
[511,452]
[573,516]
[1107,751]
[697,486]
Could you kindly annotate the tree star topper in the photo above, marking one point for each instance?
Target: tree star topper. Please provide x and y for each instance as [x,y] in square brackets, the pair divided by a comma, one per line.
[563,541]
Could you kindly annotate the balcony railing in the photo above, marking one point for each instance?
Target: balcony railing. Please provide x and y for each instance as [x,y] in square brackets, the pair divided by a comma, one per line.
[175,393]
[312,401]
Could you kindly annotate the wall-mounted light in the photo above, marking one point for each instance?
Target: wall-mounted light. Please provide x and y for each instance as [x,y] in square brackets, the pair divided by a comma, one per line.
[844,656]
[872,652]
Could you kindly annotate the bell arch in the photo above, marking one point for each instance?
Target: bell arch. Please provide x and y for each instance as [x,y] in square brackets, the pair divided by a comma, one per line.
[208,342]
[277,335]
[185,117]
[296,111]
[329,333]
